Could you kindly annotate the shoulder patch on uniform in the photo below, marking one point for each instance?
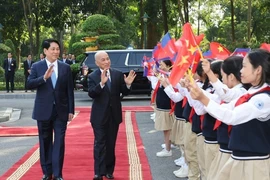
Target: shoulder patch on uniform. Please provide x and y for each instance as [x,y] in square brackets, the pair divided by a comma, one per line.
[259,104]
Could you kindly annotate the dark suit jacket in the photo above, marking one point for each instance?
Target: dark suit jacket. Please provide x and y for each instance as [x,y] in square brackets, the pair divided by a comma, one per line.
[46,95]
[13,66]
[26,67]
[103,98]
[67,61]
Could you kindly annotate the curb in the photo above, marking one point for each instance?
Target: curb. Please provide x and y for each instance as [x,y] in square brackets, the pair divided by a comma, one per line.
[5,114]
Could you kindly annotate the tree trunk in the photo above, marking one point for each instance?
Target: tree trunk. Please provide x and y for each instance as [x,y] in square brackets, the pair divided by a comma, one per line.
[186,11]
[100,6]
[249,20]
[28,14]
[232,21]
[142,24]
[165,16]
[37,30]
[198,20]
[180,12]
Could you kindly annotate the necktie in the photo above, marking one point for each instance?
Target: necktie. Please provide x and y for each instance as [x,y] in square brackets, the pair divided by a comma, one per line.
[108,81]
[53,78]
[9,64]
[29,64]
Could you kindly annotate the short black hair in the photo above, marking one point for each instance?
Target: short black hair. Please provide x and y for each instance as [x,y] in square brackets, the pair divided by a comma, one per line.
[168,63]
[233,65]
[47,43]
[261,57]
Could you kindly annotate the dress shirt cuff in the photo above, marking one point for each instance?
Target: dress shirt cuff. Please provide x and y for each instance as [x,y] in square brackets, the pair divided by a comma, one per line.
[102,86]
[128,86]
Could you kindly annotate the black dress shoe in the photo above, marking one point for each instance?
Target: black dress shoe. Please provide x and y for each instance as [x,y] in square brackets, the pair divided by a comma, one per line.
[58,178]
[46,177]
[98,177]
[109,176]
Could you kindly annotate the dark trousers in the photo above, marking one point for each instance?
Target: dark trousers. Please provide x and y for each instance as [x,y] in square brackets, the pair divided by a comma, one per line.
[9,79]
[52,153]
[25,82]
[104,146]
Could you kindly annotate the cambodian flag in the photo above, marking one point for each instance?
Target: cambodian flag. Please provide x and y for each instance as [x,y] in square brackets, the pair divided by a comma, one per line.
[240,52]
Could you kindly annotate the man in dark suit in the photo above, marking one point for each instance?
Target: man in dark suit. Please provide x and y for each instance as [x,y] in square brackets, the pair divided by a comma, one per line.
[27,64]
[9,67]
[65,60]
[54,107]
[105,86]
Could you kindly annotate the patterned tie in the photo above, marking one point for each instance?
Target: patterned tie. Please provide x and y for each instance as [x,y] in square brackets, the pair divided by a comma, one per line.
[53,78]
[108,81]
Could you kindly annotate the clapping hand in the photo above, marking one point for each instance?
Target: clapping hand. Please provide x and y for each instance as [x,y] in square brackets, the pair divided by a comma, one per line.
[104,77]
[130,78]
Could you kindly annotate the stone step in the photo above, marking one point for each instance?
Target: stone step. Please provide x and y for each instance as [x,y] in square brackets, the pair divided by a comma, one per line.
[5,114]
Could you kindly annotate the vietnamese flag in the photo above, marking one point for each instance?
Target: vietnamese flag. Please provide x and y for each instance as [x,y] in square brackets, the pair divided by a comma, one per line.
[219,51]
[265,46]
[181,65]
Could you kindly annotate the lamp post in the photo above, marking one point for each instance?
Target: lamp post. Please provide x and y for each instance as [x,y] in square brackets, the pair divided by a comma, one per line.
[145,19]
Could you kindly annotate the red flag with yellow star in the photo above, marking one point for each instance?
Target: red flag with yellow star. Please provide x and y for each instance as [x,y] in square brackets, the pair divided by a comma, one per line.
[188,55]
[180,66]
[219,51]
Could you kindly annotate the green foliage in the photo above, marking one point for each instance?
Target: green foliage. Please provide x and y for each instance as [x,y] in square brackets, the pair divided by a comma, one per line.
[10,44]
[108,39]
[99,24]
[112,47]
[80,58]
[78,48]
[1,73]
[4,48]
[19,76]
[75,68]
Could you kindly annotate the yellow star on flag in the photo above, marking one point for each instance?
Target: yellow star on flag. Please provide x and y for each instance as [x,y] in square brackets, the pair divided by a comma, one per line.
[220,49]
[183,60]
[192,49]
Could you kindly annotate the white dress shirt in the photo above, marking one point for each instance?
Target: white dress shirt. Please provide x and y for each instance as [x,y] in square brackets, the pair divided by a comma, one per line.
[257,107]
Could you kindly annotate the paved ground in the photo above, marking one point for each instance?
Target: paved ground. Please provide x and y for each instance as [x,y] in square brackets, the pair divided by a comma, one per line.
[13,148]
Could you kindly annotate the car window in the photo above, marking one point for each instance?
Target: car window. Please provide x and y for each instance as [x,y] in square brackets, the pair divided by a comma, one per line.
[117,58]
[135,58]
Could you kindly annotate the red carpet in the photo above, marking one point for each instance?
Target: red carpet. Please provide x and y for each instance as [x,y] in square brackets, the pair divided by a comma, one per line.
[18,131]
[131,160]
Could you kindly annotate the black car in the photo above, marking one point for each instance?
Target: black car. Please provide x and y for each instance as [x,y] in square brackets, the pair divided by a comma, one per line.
[123,60]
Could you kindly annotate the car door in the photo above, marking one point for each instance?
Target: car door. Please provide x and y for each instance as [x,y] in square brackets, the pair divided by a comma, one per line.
[141,84]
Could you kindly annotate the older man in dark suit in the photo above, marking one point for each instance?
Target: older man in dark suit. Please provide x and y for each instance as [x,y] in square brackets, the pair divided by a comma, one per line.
[105,86]
[9,66]
[54,107]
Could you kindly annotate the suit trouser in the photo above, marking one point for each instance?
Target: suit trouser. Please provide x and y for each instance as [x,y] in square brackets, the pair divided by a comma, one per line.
[52,153]
[9,78]
[25,82]
[104,146]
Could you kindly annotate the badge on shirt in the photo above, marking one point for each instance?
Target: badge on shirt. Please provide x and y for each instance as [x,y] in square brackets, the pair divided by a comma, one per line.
[259,104]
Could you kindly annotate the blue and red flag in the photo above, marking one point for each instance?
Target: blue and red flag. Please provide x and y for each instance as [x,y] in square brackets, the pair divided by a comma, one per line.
[166,48]
[240,52]
[207,54]
[147,64]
